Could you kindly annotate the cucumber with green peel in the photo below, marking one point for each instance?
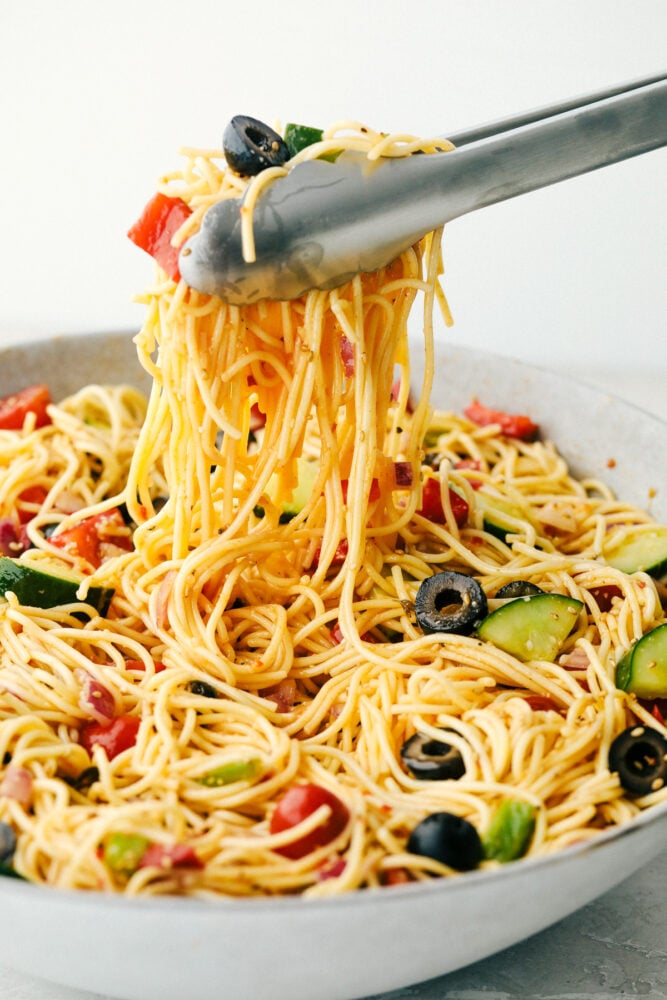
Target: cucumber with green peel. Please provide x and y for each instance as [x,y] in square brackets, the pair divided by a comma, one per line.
[510,831]
[307,474]
[532,628]
[298,137]
[644,551]
[35,588]
[498,514]
[643,669]
[307,471]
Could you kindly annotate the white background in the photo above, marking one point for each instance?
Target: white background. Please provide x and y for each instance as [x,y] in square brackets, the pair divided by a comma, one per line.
[96,98]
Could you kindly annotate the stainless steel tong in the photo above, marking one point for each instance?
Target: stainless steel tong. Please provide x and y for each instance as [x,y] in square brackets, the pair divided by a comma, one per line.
[325,222]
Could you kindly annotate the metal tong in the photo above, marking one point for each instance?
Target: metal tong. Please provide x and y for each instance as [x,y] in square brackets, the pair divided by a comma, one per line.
[325,222]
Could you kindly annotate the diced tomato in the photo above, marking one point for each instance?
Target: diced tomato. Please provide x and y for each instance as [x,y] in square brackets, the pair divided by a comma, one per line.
[86,538]
[15,408]
[299,802]
[339,556]
[513,424]
[119,736]
[432,508]
[155,228]
[541,703]
[35,497]
[657,707]
[373,494]
[176,856]
[139,665]
[331,870]
[396,876]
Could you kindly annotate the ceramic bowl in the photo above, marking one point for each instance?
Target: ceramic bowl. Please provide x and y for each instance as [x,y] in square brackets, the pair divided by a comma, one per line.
[368,941]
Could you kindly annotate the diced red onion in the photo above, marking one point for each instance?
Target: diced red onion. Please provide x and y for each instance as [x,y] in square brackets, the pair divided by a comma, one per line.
[403,474]
[283,694]
[162,601]
[9,542]
[95,699]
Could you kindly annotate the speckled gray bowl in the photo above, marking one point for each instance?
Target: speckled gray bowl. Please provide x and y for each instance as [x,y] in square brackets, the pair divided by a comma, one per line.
[366,942]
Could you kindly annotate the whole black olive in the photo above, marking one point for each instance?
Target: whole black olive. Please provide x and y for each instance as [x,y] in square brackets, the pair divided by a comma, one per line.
[250,146]
[639,756]
[450,602]
[432,760]
[449,839]
[7,842]
[518,588]
[203,689]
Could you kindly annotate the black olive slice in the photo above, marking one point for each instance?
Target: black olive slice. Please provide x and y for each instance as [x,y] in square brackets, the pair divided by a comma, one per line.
[202,689]
[518,588]
[250,146]
[7,842]
[450,602]
[431,760]
[639,756]
[449,839]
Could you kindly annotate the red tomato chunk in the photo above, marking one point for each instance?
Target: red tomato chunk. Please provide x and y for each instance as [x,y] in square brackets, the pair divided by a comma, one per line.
[155,229]
[120,735]
[432,508]
[513,424]
[299,802]
[15,408]
[86,539]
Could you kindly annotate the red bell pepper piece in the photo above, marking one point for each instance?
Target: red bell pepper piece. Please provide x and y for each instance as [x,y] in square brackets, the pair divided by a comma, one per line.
[33,495]
[513,424]
[16,407]
[154,230]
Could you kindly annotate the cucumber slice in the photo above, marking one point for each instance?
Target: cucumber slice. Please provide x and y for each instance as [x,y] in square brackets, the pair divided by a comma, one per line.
[37,589]
[495,514]
[307,471]
[643,669]
[510,831]
[643,551]
[298,137]
[532,628]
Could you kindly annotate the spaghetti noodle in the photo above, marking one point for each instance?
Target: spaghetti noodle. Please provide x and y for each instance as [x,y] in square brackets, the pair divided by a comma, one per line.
[276,527]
